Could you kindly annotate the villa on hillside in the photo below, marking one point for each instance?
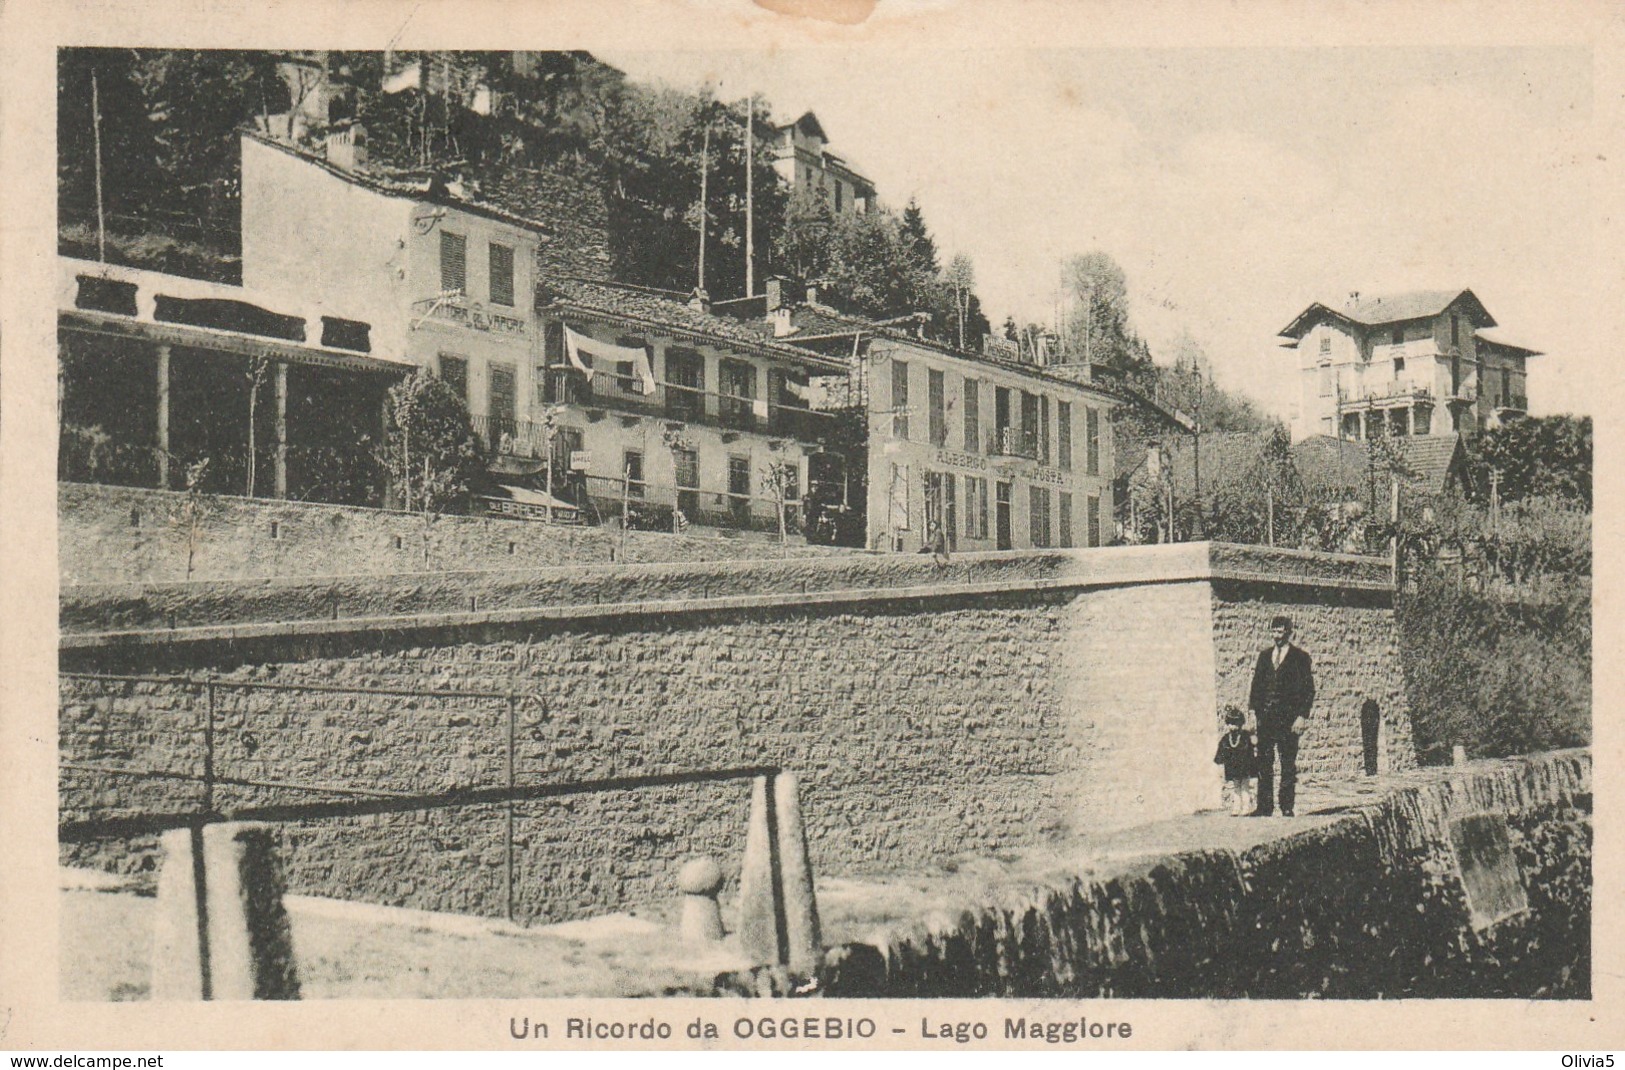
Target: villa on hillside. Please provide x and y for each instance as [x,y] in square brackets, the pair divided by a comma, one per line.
[1419,363]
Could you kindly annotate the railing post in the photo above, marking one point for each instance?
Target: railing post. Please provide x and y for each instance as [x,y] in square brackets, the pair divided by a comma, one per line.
[507,836]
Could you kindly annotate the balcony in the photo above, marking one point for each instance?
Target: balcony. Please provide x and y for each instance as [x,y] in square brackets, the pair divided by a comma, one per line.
[689,405]
[1015,442]
[1396,390]
[511,438]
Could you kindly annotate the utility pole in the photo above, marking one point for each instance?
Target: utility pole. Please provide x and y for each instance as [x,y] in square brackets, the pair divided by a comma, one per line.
[750,215]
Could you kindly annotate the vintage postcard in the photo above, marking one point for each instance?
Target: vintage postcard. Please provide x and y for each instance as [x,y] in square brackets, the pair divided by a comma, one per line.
[838,525]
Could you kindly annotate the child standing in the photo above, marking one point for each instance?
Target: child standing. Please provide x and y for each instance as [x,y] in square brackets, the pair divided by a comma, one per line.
[1239,759]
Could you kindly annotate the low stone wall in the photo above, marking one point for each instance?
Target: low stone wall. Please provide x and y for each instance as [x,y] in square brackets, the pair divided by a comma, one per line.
[1002,701]
[1373,904]
[111,534]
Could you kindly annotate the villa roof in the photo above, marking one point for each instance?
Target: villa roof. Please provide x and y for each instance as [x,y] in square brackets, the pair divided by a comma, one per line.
[1384,309]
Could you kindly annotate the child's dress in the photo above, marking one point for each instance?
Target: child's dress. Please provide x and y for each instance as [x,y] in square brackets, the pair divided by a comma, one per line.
[1239,759]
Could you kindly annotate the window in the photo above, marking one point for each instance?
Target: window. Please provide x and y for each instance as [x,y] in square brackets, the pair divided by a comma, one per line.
[501,274]
[687,466]
[1506,386]
[737,385]
[1043,430]
[950,509]
[454,373]
[1063,434]
[1326,380]
[453,262]
[936,407]
[973,418]
[1326,344]
[503,404]
[1398,337]
[899,399]
[1065,520]
[1029,420]
[1423,420]
[1001,414]
[632,472]
[739,488]
[1092,440]
[1038,513]
[975,507]
[1399,367]
[1094,520]
[685,384]
[1455,329]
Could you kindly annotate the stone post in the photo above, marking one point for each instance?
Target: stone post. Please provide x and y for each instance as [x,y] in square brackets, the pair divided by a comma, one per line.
[221,931]
[778,913]
[699,880]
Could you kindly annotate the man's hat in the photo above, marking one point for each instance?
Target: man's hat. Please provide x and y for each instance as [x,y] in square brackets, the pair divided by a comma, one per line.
[1281,622]
[1233,715]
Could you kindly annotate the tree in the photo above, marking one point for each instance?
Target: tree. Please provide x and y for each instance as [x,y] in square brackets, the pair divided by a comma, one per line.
[918,245]
[1096,326]
[431,452]
[1539,456]
[961,280]
[780,485]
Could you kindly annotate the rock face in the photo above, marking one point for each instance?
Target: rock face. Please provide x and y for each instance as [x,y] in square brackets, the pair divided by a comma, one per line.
[926,712]
[1373,904]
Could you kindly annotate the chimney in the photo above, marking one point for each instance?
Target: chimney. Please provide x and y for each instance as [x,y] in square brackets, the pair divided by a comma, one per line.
[812,293]
[775,292]
[781,321]
[1354,298]
[700,301]
[347,146]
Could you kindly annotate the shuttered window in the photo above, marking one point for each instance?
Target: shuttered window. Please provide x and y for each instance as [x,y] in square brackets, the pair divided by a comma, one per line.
[501,274]
[453,262]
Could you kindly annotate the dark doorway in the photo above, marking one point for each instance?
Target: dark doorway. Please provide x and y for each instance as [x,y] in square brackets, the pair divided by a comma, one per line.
[1370,731]
[1002,517]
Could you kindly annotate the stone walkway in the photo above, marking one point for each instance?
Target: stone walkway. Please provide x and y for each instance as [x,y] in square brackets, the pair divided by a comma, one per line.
[358,950]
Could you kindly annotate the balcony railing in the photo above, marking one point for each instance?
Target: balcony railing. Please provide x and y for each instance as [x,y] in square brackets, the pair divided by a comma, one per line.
[1396,388]
[1015,442]
[688,404]
[511,438]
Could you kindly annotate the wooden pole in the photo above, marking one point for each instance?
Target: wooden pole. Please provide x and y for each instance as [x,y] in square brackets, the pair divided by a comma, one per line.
[163,417]
[96,127]
[705,168]
[282,429]
[750,214]
[626,499]
[1269,513]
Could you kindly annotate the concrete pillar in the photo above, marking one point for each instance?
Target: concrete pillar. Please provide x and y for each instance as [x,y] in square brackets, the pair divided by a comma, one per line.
[806,951]
[221,931]
[161,441]
[700,880]
[778,914]
[758,921]
[281,429]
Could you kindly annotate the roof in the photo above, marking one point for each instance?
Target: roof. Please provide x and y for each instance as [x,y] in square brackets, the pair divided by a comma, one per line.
[814,321]
[1327,464]
[659,310]
[1501,343]
[419,186]
[808,123]
[1389,308]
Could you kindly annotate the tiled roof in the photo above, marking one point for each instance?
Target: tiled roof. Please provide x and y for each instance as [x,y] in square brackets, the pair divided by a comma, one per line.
[1328,465]
[1501,343]
[1389,308]
[660,310]
[815,320]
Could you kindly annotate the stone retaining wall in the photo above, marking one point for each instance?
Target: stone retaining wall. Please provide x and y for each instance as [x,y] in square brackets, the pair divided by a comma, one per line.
[109,534]
[995,704]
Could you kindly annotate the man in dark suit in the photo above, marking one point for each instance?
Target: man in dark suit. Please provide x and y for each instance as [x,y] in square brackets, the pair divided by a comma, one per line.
[1282,696]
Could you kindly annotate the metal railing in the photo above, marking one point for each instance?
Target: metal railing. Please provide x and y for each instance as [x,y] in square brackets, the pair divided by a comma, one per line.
[687,404]
[363,801]
[1016,442]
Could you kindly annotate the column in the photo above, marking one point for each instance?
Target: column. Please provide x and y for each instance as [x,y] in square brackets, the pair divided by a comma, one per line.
[281,429]
[161,440]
